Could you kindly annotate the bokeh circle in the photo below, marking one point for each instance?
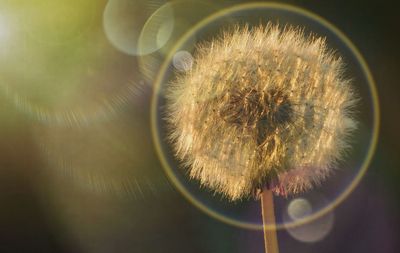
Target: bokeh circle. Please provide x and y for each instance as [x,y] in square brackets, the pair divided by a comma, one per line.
[123,21]
[313,231]
[246,214]
[162,30]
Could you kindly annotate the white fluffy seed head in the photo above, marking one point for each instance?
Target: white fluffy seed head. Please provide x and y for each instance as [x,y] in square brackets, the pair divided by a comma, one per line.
[261,107]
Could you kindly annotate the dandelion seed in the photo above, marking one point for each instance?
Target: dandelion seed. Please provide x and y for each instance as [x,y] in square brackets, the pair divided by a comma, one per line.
[261,107]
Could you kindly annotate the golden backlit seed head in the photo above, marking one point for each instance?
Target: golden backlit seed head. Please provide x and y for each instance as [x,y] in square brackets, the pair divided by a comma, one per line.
[261,107]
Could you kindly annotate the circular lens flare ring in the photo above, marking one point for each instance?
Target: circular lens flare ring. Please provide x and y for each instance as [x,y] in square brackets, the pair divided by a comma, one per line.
[343,195]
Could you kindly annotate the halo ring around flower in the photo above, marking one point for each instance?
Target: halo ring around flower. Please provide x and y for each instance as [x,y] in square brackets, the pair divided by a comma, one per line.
[158,141]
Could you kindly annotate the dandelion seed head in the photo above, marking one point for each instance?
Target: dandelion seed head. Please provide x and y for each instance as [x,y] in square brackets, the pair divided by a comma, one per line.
[261,107]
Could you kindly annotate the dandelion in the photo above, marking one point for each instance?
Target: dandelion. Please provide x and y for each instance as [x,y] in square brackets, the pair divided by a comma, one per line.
[261,108]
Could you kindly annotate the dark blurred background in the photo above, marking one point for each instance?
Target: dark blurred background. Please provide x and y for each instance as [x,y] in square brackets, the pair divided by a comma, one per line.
[78,170]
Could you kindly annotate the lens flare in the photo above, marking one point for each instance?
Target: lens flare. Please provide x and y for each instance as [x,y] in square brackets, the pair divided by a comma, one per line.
[185,15]
[109,158]
[311,232]
[157,30]
[183,61]
[342,183]
[73,80]
[123,21]
[299,208]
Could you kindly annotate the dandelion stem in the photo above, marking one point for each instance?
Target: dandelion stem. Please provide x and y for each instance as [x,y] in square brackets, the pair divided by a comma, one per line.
[268,217]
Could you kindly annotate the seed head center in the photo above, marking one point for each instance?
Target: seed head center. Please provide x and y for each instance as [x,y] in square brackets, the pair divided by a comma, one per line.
[260,112]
